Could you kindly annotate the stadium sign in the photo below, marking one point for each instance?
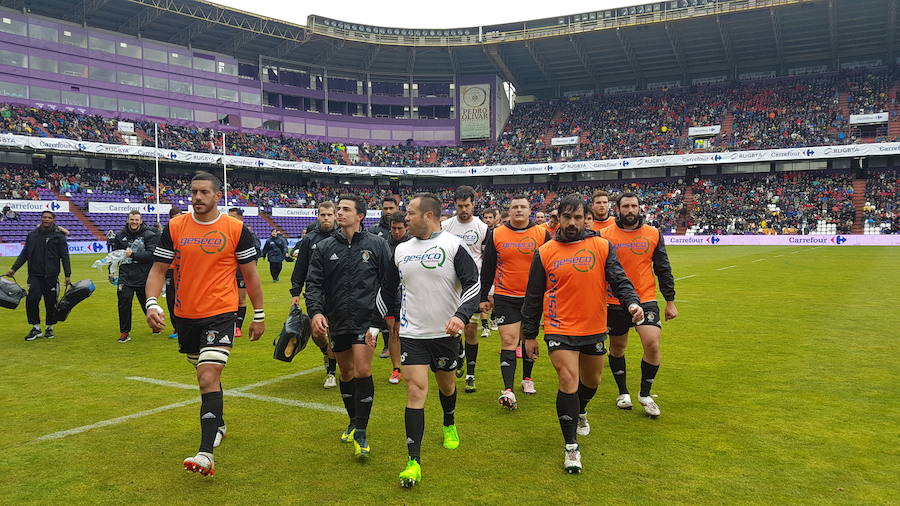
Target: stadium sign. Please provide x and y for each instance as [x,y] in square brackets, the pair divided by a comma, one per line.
[564,141]
[474,111]
[127,207]
[868,119]
[704,131]
[782,240]
[13,249]
[312,212]
[36,206]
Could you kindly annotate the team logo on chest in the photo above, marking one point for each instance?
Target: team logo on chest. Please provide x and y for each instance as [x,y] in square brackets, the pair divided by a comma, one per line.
[583,260]
[366,254]
[432,258]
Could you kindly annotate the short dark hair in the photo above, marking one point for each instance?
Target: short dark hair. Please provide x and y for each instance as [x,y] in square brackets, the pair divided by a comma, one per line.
[359,203]
[389,198]
[206,176]
[628,195]
[520,196]
[464,192]
[236,210]
[570,203]
[489,210]
[327,204]
[134,211]
[51,213]
[428,202]
[599,193]
[398,217]
[174,211]
[504,214]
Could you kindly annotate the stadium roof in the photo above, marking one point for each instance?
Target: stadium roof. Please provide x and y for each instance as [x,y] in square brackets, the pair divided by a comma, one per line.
[660,42]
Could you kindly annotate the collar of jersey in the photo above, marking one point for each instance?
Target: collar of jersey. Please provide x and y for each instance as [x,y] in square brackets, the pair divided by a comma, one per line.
[621,225]
[205,222]
[526,227]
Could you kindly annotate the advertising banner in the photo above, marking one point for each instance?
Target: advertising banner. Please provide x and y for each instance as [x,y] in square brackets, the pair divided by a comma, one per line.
[475,111]
[127,207]
[36,206]
[783,240]
[564,141]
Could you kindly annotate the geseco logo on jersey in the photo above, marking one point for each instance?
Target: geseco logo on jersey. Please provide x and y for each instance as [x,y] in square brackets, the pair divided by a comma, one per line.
[525,246]
[212,242]
[433,258]
[638,245]
[584,260]
[469,237]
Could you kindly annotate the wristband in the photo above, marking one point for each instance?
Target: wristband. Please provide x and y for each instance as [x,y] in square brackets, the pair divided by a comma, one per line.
[374,331]
[152,304]
[259,315]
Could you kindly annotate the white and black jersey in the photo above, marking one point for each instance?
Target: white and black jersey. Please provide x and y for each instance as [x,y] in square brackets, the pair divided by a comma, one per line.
[472,233]
[437,279]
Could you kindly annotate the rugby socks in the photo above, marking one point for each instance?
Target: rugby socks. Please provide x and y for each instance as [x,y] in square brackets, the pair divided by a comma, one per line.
[331,367]
[471,358]
[484,324]
[222,413]
[617,366]
[585,394]
[210,417]
[348,388]
[448,404]
[527,364]
[567,411]
[508,367]
[364,397]
[648,375]
[415,430]
[241,313]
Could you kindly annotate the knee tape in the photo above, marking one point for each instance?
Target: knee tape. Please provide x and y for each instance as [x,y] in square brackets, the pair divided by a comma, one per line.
[193,359]
[213,356]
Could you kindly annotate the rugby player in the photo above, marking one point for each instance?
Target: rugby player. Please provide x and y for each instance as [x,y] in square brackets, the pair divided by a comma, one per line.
[600,208]
[399,234]
[238,214]
[206,246]
[642,252]
[473,233]
[438,280]
[567,285]
[507,259]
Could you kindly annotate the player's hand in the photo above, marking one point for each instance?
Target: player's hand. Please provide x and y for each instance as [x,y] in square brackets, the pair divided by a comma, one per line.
[68,282]
[156,319]
[257,329]
[372,336]
[295,301]
[319,324]
[531,348]
[671,310]
[10,273]
[128,253]
[637,313]
[455,326]
[485,307]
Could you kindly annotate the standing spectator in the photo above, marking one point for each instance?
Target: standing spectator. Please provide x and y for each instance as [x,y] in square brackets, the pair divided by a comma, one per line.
[138,240]
[9,215]
[275,250]
[45,247]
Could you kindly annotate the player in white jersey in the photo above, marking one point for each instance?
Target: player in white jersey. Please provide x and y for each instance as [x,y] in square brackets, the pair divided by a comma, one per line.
[472,231]
[439,291]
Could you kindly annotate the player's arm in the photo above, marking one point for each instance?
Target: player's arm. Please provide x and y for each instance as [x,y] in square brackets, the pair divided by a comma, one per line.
[534,298]
[663,271]
[301,266]
[390,287]
[146,256]
[315,291]
[246,253]
[385,263]
[467,273]
[621,286]
[488,267]
[163,255]
[23,256]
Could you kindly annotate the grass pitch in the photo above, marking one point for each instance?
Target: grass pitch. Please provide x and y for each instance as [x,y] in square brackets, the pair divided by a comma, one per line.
[778,384]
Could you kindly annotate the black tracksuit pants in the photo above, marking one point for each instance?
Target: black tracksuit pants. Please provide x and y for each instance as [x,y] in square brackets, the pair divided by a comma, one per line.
[46,288]
[126,296]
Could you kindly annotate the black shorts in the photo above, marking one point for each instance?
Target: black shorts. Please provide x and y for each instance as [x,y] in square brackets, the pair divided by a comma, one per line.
[619,319]
[508,310]
[343,342]
[240,279]
[441,353]
[194,334]
[588,345]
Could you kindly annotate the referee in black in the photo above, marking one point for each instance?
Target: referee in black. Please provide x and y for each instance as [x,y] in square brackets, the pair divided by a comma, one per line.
[45,247]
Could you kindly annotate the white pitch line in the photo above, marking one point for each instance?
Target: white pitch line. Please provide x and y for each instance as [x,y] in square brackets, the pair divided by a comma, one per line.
[723,268]
[238,392]
[115,421]
[287,402]
[776,256]
[685,277]
[758,260]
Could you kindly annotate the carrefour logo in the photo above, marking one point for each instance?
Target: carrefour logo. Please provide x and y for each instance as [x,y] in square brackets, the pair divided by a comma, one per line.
[212,242]
[838,239]
[713,240]
[638,246]
[583,261]
[526,247]
[53,205]
[433,258]
[97,247]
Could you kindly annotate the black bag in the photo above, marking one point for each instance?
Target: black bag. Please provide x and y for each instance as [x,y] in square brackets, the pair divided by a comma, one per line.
[75,294]
[294,335]
[10,293]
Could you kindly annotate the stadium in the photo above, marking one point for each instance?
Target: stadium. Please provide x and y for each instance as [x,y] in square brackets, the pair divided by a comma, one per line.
[760,137]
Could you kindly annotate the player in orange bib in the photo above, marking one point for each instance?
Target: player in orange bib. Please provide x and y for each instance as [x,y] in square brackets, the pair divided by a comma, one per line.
[600,207]
[642,252]
[507,258]
[206,247]
[568,283]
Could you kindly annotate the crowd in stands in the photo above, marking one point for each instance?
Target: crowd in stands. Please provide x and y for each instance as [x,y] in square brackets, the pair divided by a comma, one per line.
[882,208]
[782,203]
[788,112]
